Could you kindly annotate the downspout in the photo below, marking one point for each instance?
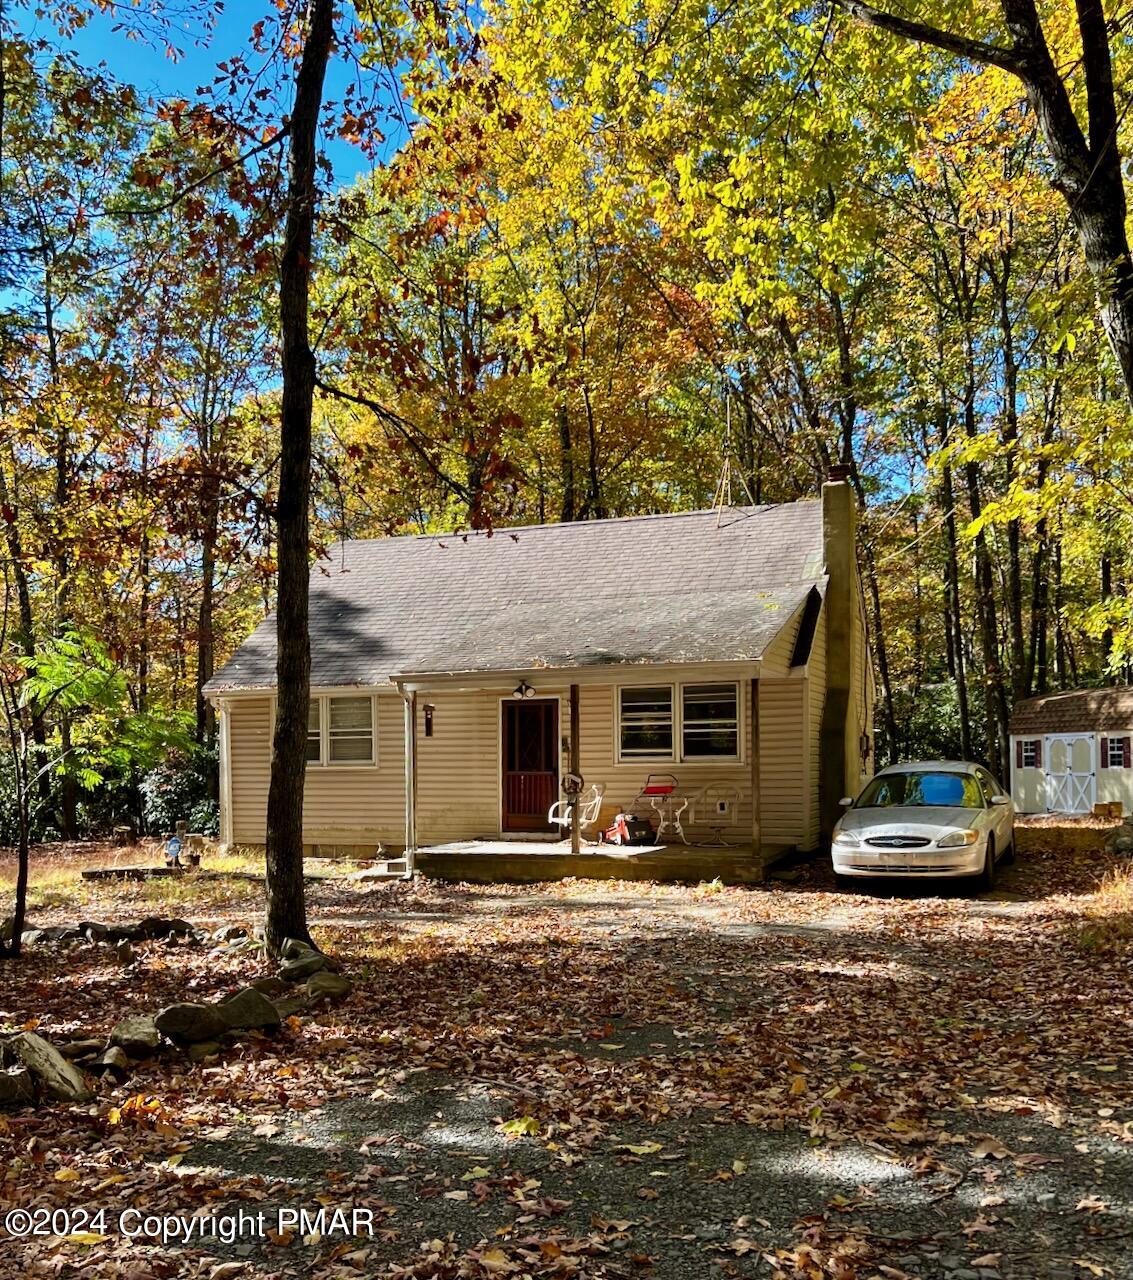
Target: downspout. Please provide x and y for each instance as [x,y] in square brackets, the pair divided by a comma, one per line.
[409,701]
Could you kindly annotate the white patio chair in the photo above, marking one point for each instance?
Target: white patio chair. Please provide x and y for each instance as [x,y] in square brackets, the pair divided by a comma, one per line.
[590,808]
[716,807]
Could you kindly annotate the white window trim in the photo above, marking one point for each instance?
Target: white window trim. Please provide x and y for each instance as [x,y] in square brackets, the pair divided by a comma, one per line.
[1118,740]
[676,756]
[1030,744]
[324,761]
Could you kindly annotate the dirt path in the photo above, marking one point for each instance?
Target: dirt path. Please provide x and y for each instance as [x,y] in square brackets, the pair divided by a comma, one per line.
[611,1080]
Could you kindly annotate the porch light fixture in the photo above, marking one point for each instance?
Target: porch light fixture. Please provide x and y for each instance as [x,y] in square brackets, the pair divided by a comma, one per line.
[523,690]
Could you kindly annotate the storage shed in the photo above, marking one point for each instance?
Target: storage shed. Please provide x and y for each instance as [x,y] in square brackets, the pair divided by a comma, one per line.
[1071,751]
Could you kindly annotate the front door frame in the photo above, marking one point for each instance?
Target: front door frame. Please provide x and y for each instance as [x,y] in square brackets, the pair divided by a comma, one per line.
[504,700]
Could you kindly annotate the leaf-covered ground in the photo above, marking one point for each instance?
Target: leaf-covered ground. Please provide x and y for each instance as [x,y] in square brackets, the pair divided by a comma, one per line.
[606,1080]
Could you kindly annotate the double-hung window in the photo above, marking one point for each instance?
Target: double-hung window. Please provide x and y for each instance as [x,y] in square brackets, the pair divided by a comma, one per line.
[710,722]
[687,722]
[341,730]
[647,723]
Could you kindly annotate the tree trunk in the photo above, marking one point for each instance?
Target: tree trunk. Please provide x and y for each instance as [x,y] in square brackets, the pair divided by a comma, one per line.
[566,462]
[954,613]
[286,914]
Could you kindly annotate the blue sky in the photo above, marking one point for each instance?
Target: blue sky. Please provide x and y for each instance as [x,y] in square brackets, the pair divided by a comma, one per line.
[147,65]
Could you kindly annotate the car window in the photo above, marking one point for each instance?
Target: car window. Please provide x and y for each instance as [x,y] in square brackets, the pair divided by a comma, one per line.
[989,784]
[928,789]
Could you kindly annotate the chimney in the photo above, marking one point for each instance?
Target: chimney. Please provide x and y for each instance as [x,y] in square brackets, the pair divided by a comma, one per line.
[843,634]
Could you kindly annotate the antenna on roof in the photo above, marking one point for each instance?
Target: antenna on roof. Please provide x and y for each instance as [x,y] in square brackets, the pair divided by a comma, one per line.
[723,496]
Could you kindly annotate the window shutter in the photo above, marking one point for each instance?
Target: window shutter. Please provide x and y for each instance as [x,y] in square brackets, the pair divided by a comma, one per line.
[1125,753]
[1105,753]
[1038,753]
[1018,753]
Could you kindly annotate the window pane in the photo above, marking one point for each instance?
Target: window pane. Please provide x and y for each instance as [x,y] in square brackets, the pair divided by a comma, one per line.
[350,713]
[350,730]
[314,747]
[352,750]
[647,722]
[710,725]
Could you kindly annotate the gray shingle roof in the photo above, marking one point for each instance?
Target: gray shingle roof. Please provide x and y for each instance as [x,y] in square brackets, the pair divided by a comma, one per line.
[695,587]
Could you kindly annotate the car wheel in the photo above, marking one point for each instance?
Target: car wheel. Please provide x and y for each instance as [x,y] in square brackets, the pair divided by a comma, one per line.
[1009,853]
[985,879]
[843,882]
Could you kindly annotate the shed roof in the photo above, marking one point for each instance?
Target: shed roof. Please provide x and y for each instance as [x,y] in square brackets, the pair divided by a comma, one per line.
[1076,711]
[704,586]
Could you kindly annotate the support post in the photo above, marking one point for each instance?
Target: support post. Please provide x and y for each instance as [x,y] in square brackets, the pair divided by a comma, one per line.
[575,768]
[756,798]
[410,700]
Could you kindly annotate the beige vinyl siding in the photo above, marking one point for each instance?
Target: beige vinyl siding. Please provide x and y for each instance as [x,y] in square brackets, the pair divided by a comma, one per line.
[816,701]
[598,726]
[341,805]
[249,769]
[782,722]
[458,769]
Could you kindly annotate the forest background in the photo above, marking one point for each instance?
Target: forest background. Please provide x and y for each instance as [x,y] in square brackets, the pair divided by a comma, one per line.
[572,263]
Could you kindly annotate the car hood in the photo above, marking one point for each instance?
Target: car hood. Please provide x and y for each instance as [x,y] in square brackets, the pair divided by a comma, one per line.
[911,820]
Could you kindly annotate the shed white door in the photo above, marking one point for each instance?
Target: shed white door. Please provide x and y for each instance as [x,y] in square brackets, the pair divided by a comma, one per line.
[1071,777]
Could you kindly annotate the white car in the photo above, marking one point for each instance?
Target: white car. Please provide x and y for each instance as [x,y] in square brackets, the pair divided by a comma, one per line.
[931,818]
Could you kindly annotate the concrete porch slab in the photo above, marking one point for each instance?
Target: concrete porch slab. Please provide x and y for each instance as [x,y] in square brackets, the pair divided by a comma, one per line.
[494,861]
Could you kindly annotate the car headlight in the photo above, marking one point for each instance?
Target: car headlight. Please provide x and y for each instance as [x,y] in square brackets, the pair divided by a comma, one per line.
[957,839]
[847,839]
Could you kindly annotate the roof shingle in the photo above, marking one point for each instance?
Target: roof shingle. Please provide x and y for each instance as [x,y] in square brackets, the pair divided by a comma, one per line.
[694,587]
[1077,711]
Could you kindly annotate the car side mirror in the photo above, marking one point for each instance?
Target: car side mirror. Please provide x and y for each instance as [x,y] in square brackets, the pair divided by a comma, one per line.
[846,802]
[998,800]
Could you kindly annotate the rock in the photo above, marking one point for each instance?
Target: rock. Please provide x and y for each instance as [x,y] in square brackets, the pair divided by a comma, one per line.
[230,933]
[7,929]
[61,933]
[188,1023]
[124,953]
[137,1035]
[302,966]
[30,937]
[249,1008]
[293,948]
[177,925]
[1124,844]
[154,927]
[332,986]
[16,1087]
[203,1049]
[54,1074]
[125,933]
[112,1059]
[288,1007]
[94,931]
[80,1048]
[271,987]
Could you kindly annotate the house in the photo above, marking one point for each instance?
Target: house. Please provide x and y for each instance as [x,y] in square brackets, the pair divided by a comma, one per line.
[726,648]
[1072,750]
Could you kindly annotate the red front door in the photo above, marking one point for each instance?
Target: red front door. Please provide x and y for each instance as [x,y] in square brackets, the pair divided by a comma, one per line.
[530,762]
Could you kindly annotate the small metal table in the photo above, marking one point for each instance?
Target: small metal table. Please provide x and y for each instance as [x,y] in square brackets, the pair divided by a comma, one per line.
[669,809]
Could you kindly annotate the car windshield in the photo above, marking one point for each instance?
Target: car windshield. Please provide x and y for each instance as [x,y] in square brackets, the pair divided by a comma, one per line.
[922,790]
